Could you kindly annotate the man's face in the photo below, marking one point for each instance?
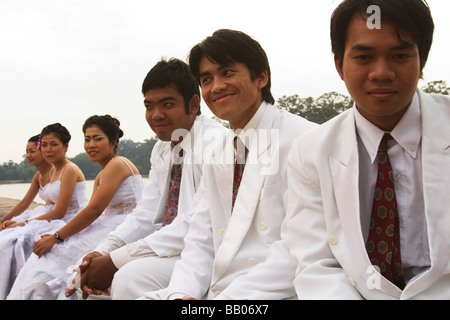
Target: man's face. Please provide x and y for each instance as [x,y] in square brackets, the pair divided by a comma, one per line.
[229,91]
[165,111]
[381,69]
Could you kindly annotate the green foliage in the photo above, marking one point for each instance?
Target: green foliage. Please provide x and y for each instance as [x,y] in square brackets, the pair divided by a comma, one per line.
[11,171]
[439,87]
[222,122]
[138,153]
[89,169]
[317,110]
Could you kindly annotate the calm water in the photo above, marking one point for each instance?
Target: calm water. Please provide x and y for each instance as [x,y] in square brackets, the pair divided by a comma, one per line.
[18,190]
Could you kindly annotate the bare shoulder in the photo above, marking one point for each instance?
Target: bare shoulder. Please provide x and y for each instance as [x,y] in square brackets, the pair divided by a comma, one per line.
[71,169]
[120,165]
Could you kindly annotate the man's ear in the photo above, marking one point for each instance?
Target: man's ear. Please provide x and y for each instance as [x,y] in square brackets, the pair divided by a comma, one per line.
[422,66]
[338,64]
[194,104]
[262,79]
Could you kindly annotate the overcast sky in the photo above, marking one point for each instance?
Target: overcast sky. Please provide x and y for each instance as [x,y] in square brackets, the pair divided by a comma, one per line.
[65,60]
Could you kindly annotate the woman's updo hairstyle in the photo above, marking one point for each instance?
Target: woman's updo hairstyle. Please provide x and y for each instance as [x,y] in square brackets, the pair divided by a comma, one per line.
[58,131]
[109,125]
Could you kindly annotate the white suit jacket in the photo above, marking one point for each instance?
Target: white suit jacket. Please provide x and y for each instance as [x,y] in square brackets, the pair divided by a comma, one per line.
[324,229]
[239,255]
[146,219]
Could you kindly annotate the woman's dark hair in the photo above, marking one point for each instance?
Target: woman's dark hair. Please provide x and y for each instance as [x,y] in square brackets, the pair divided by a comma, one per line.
[175,73]
[226,46]
[109,125]
[413,16]
[57,130]
[35,138]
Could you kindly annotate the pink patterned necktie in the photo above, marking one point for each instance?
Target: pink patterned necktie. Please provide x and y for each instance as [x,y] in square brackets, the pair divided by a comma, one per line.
[383,244]
[173,194]
[239,164]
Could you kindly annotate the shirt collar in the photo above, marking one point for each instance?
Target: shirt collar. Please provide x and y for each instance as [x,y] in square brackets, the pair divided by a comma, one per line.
[407,132]
[179,150]
[247,134]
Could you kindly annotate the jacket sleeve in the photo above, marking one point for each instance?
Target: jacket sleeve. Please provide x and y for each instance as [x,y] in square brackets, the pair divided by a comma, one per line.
[169,241]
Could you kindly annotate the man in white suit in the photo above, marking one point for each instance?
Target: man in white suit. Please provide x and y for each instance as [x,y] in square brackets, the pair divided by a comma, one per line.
[239,252]
[141,242]
[333,170]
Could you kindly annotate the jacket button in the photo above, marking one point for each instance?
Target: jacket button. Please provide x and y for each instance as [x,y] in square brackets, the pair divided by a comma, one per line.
[351,281]
[251,260]
[222,232]
[262,226]
[332,240]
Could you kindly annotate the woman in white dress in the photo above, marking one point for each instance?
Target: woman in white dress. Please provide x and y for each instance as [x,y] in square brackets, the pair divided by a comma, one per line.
[39,185]
[65,196]
[117,190]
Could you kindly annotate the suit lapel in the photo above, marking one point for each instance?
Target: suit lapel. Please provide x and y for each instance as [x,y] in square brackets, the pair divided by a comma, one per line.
[248,196]
[223,165]
[162,170]
[344,169]
[192,157]
[435,164]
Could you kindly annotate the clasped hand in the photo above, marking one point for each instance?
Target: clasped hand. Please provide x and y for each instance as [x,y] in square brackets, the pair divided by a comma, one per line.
[96,275]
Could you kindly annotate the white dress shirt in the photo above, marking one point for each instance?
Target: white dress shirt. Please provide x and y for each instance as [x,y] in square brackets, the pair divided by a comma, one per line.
[406,160]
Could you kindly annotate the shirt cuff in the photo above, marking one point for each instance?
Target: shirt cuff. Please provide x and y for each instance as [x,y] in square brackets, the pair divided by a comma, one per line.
[132,251]
[109,244]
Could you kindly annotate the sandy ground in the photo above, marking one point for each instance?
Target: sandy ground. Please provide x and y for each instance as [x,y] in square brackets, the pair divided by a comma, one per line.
[7,204]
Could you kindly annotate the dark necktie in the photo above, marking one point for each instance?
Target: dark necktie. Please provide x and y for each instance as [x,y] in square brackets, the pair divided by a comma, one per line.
[239,164]
[383,244]
[173,194]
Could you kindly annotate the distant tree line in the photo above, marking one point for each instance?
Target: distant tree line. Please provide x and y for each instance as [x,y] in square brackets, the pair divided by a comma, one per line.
[137,152]
[439,87]
[317,110]
[331,104]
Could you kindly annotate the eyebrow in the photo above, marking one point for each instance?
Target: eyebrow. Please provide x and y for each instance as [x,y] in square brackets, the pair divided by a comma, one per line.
[51,141]
[404,45]
[168,98]
[221,67]
[204,74]
[93,136]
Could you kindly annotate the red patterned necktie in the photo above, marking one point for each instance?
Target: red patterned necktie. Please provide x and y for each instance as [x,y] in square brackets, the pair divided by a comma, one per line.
[239,164]
[383,244]
[172,196]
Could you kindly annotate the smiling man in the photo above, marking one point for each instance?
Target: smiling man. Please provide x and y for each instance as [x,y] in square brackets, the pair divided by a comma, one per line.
[235,247]
[147,244]
[368,216]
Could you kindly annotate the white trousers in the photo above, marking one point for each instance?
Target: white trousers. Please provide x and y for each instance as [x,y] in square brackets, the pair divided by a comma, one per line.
[139,276]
